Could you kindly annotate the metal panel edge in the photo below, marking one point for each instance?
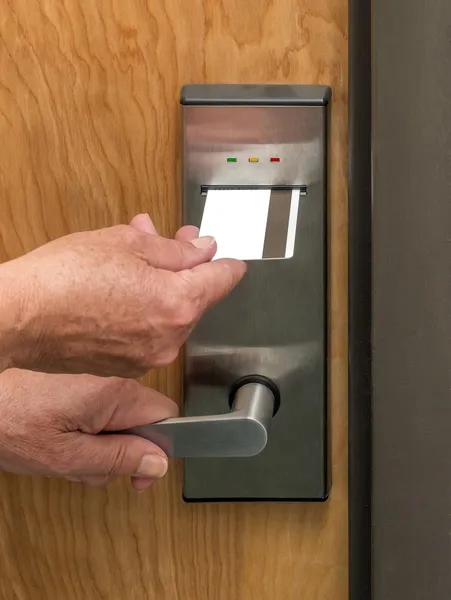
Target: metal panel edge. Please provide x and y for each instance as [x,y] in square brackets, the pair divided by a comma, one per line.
[259,95]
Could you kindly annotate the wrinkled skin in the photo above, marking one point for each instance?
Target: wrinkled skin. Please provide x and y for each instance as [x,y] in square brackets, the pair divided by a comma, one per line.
[50,426]
[118,301]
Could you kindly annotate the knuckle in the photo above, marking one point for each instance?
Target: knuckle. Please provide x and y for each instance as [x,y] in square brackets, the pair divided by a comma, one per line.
[124,234]
[167,357]
[135,365]
[182,308]
[179,250]
[141,367]
[115,389]
[117,461]
[64,456]
[173,249]
[126,230]
[124,386]
[185,315]
[62,463]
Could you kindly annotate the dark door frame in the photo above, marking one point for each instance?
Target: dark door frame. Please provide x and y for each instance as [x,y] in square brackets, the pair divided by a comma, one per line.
[359,303]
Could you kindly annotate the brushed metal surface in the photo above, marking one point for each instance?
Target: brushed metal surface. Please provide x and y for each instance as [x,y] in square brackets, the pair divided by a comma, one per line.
[274,323]
[241,432]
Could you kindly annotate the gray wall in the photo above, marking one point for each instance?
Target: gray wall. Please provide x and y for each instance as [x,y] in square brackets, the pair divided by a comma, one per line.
[411,300]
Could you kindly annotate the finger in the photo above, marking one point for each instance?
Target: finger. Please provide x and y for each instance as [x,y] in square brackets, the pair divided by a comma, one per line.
[95,480]
[116,455]
[174,255]
[91,480]
[211,282]
[98,481]
[187,233]
[135,404]
[130,405]
[141,483]
[144,223]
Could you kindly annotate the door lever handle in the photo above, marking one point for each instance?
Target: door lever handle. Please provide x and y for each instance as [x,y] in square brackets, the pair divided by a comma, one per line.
[243,431]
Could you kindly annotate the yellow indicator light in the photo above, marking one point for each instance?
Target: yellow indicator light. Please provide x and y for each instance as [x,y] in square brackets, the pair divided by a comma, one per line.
[253,160]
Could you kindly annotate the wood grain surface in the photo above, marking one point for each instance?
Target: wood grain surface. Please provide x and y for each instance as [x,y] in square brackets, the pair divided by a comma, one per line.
[89,134]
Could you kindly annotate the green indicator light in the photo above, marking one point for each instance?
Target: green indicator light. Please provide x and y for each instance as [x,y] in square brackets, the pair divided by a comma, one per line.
[231,160]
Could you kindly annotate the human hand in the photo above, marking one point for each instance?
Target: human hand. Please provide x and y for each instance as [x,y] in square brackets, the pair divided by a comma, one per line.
[116,301]
[50,424]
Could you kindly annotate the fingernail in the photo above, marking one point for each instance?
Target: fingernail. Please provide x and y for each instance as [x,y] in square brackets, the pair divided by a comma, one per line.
[203,242]
[152,465]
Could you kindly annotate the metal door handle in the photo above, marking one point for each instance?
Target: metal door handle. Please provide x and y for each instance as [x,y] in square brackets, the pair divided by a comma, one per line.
[241,432]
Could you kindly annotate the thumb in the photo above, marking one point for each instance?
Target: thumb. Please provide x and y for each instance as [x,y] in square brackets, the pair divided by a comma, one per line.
[185,251]
[172,255]
[118,455]
[131,405]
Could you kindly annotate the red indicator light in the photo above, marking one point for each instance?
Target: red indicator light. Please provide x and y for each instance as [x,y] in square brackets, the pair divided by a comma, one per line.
[274,159]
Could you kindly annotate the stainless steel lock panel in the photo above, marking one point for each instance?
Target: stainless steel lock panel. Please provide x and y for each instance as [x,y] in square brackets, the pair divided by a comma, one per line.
[256,421]
[274,324]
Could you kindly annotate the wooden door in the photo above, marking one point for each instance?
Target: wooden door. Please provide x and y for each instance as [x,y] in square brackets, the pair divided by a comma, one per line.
[89,133]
